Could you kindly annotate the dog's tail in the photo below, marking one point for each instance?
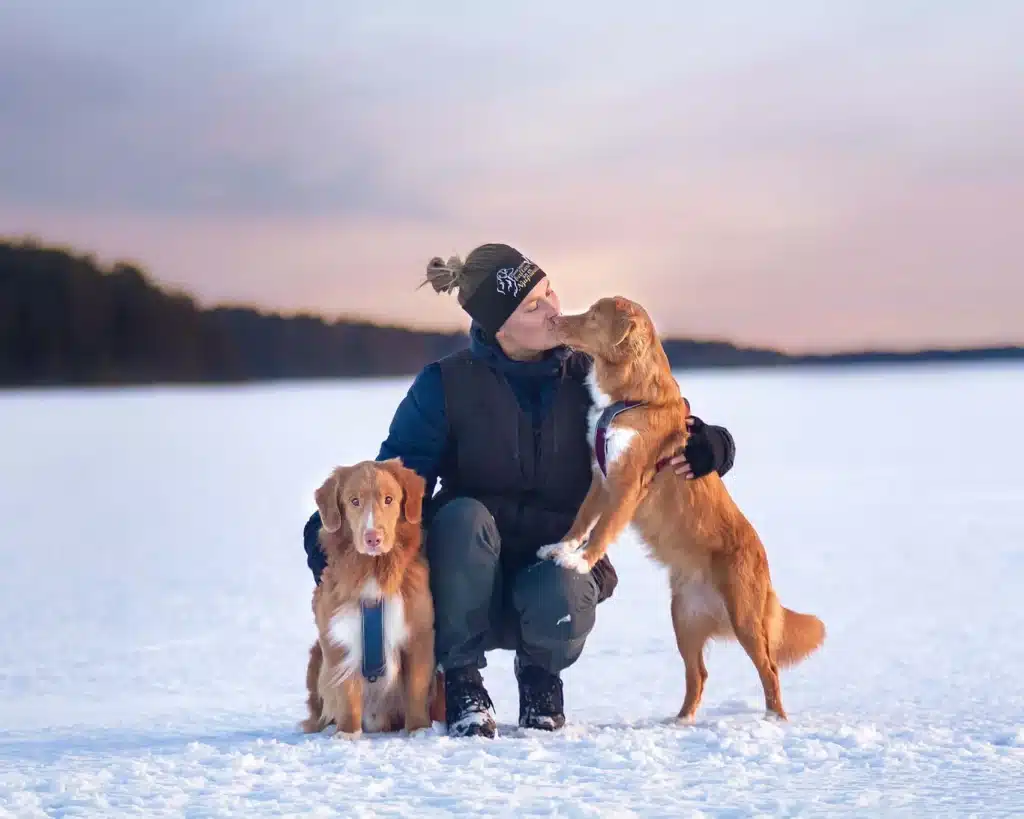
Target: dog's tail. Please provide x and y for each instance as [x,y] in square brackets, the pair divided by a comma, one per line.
[314,702]
[795,635]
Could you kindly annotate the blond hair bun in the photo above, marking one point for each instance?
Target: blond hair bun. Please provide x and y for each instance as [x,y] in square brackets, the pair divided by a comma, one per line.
[444,276]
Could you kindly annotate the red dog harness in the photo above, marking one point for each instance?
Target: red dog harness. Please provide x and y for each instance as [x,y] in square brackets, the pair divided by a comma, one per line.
[601,434]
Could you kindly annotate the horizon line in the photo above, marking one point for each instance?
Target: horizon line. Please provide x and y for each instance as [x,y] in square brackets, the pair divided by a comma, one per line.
[455,329]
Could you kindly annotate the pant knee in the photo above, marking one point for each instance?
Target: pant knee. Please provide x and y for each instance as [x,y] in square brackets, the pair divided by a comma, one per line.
[555,604]
[460,528]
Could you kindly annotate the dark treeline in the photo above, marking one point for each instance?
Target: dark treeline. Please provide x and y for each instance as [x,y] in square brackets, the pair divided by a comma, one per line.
[65,320]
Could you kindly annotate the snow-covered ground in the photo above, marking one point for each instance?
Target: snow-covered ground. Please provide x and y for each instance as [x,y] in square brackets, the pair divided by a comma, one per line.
[154,603]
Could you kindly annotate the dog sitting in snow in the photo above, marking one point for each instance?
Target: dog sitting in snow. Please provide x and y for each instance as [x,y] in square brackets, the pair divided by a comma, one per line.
[372,668]
[718,568]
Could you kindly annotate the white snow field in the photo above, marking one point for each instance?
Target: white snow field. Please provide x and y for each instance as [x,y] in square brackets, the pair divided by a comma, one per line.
[154,603]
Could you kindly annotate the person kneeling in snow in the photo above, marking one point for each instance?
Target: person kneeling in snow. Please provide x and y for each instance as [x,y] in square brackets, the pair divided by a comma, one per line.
[503,425]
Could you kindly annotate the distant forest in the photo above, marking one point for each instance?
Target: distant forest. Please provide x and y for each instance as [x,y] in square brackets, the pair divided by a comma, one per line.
[66,321]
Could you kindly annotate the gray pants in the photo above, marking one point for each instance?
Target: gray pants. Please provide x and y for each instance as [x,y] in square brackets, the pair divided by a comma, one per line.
[543,612]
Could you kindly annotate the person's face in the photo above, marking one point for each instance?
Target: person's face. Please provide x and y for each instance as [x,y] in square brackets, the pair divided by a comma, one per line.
[529,329]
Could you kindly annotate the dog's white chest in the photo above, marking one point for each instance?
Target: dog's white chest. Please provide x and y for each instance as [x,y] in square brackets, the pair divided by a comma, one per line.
[346,632]
[616,443]
[599,403]
[617,440]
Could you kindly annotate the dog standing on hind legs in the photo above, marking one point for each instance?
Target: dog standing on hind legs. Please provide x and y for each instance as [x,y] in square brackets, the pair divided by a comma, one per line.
[718,568]
[372,667]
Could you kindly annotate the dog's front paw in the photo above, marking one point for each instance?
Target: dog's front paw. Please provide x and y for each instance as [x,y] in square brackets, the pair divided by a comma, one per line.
[577,561]
[349,735]
[414,725]
[312,725]
[552,551]
[567,555]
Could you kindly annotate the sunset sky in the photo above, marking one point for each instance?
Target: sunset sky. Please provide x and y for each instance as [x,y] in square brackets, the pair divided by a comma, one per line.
[807,175]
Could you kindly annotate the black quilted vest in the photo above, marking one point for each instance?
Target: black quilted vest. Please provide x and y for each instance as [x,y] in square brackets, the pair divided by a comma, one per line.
[532,480]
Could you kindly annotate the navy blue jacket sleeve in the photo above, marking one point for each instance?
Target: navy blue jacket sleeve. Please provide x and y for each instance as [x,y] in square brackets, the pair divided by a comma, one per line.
[315,557]
[419,429]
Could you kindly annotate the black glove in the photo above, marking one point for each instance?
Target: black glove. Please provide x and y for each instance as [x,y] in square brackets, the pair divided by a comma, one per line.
[709,449]
[606,578]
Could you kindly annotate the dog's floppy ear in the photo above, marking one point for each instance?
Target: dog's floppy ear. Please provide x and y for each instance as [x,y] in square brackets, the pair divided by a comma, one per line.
[413,489]
[629,336]
[629,329]
[636,339]
[327,501]
[624,325]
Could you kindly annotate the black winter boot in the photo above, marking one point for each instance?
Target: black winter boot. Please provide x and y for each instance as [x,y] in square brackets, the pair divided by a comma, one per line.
[540,698]
[470,712]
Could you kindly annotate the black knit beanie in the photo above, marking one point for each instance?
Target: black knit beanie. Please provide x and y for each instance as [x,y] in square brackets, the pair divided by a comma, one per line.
[492,282]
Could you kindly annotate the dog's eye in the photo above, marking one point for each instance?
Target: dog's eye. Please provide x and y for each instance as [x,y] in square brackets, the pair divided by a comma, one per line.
[387,500]
[355,501]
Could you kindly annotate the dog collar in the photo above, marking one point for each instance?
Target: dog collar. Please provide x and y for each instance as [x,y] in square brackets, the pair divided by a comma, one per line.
[601,434]
[375,663]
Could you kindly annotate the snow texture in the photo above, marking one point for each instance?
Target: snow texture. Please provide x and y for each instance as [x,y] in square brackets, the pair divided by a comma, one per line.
[156,615]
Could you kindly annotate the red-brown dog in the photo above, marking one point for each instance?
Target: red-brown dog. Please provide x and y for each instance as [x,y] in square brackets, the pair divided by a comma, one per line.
[720,581]
[371,537]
